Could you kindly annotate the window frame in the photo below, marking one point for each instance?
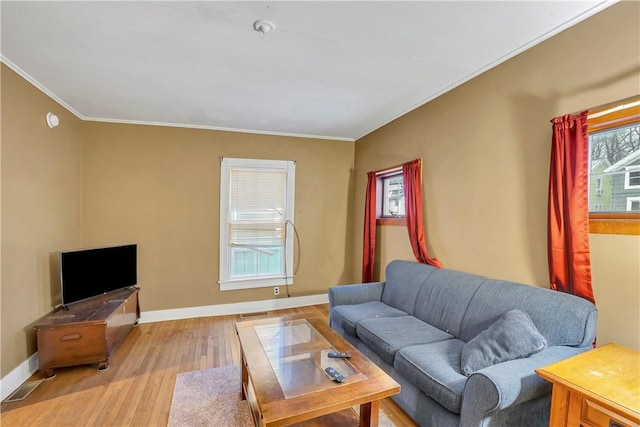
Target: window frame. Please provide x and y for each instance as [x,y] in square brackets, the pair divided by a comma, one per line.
[630,201]
[608,117]
[381,176]
[285,277]
[627,177]
[599,187]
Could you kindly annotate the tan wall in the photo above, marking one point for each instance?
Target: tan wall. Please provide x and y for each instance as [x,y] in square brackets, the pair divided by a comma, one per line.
[392,242]
[41,197]
[486,148]
[159,187]
[615,268]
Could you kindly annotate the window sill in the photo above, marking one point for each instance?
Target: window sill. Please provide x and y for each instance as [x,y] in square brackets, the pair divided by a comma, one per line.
[615,223]
[391,221]
[234,285]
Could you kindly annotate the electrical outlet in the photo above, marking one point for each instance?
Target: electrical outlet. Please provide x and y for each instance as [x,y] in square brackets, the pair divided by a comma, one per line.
[276,290]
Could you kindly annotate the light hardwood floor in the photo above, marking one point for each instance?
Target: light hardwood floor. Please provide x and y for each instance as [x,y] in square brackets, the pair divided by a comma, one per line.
[137,388]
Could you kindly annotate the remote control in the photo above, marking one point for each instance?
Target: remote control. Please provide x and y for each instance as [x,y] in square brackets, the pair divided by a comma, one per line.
[336,355]
[335,375]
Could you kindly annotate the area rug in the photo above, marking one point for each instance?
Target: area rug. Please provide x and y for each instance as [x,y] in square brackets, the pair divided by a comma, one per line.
[211,398]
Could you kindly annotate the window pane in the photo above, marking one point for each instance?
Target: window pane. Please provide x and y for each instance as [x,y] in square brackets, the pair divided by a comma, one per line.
[255,261]
[393,196]
[615,169]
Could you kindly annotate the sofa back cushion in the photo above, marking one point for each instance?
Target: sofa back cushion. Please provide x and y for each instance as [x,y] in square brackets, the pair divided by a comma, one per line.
[444,298]
[561,318]
[403,282]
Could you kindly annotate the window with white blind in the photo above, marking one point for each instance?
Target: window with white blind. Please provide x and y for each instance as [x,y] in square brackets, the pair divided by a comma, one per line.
[256,215]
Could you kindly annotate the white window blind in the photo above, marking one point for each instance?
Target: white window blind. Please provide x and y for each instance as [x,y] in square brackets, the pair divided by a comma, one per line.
[258,206]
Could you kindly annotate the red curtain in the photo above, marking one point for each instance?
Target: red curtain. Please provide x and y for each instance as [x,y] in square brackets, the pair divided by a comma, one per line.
[568,215]
[412,175]
[369,244]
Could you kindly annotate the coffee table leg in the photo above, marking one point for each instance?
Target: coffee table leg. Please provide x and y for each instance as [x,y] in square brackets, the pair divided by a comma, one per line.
[244,380]
[370,414]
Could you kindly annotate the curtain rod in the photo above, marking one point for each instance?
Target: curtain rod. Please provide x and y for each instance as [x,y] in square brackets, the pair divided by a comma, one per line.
[613,109]
[633,101]
[398,166]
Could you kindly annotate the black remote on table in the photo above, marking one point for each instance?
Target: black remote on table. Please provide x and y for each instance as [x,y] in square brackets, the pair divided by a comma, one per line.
[336,355]
[335,375]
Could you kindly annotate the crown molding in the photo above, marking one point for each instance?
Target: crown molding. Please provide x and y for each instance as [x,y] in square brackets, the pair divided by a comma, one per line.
[39,86]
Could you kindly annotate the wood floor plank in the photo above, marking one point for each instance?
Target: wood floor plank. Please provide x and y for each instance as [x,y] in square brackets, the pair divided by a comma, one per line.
[137,388]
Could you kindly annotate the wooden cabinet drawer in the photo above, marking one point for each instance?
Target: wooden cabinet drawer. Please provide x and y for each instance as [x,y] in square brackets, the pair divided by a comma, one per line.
[71,345]
[598,415]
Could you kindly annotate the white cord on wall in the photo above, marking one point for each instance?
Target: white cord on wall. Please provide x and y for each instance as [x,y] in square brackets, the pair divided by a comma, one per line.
[297,266]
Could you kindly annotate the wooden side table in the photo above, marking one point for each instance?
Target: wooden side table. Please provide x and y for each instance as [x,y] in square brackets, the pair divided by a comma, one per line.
[598,388]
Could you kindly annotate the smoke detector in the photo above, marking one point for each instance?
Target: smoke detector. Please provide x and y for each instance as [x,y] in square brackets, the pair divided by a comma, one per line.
[264,26]
[52,120]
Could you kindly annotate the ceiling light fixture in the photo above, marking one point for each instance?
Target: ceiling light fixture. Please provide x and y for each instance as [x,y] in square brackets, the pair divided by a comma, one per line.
[263,26]
[52,120]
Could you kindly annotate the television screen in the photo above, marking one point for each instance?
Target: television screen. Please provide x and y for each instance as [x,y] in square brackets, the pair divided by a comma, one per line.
[91,272]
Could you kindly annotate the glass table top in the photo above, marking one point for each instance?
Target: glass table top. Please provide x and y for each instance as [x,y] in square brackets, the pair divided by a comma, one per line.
[298,355]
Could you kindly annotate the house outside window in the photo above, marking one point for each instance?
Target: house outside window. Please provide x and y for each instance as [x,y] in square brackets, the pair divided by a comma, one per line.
[615,167]
[599,186]
[256,212]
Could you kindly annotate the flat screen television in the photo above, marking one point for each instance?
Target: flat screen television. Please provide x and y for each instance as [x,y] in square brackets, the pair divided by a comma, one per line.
[88,273]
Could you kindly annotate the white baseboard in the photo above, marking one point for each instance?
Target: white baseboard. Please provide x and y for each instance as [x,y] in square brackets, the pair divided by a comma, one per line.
[13,380]
[229,309]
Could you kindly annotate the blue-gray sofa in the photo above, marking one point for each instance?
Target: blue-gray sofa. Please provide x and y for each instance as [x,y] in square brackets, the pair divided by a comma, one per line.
[464,348]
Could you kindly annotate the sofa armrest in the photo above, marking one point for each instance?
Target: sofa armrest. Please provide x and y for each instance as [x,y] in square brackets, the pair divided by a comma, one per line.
[508,384]
[355,294]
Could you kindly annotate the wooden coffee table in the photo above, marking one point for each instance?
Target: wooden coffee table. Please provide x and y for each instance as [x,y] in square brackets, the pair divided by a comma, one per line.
[283,378]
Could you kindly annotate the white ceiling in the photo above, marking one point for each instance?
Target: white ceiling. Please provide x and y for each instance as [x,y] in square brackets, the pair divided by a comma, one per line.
[334,70]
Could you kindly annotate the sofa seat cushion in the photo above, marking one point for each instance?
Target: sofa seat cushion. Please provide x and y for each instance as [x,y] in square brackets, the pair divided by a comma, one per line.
[385,336]
[435,369]
[348,316]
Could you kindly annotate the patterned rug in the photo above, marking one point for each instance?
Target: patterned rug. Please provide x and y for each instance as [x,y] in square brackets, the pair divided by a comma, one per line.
[211,398]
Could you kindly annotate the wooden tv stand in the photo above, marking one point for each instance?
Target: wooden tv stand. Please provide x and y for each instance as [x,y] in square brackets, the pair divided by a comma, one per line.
[86,332]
